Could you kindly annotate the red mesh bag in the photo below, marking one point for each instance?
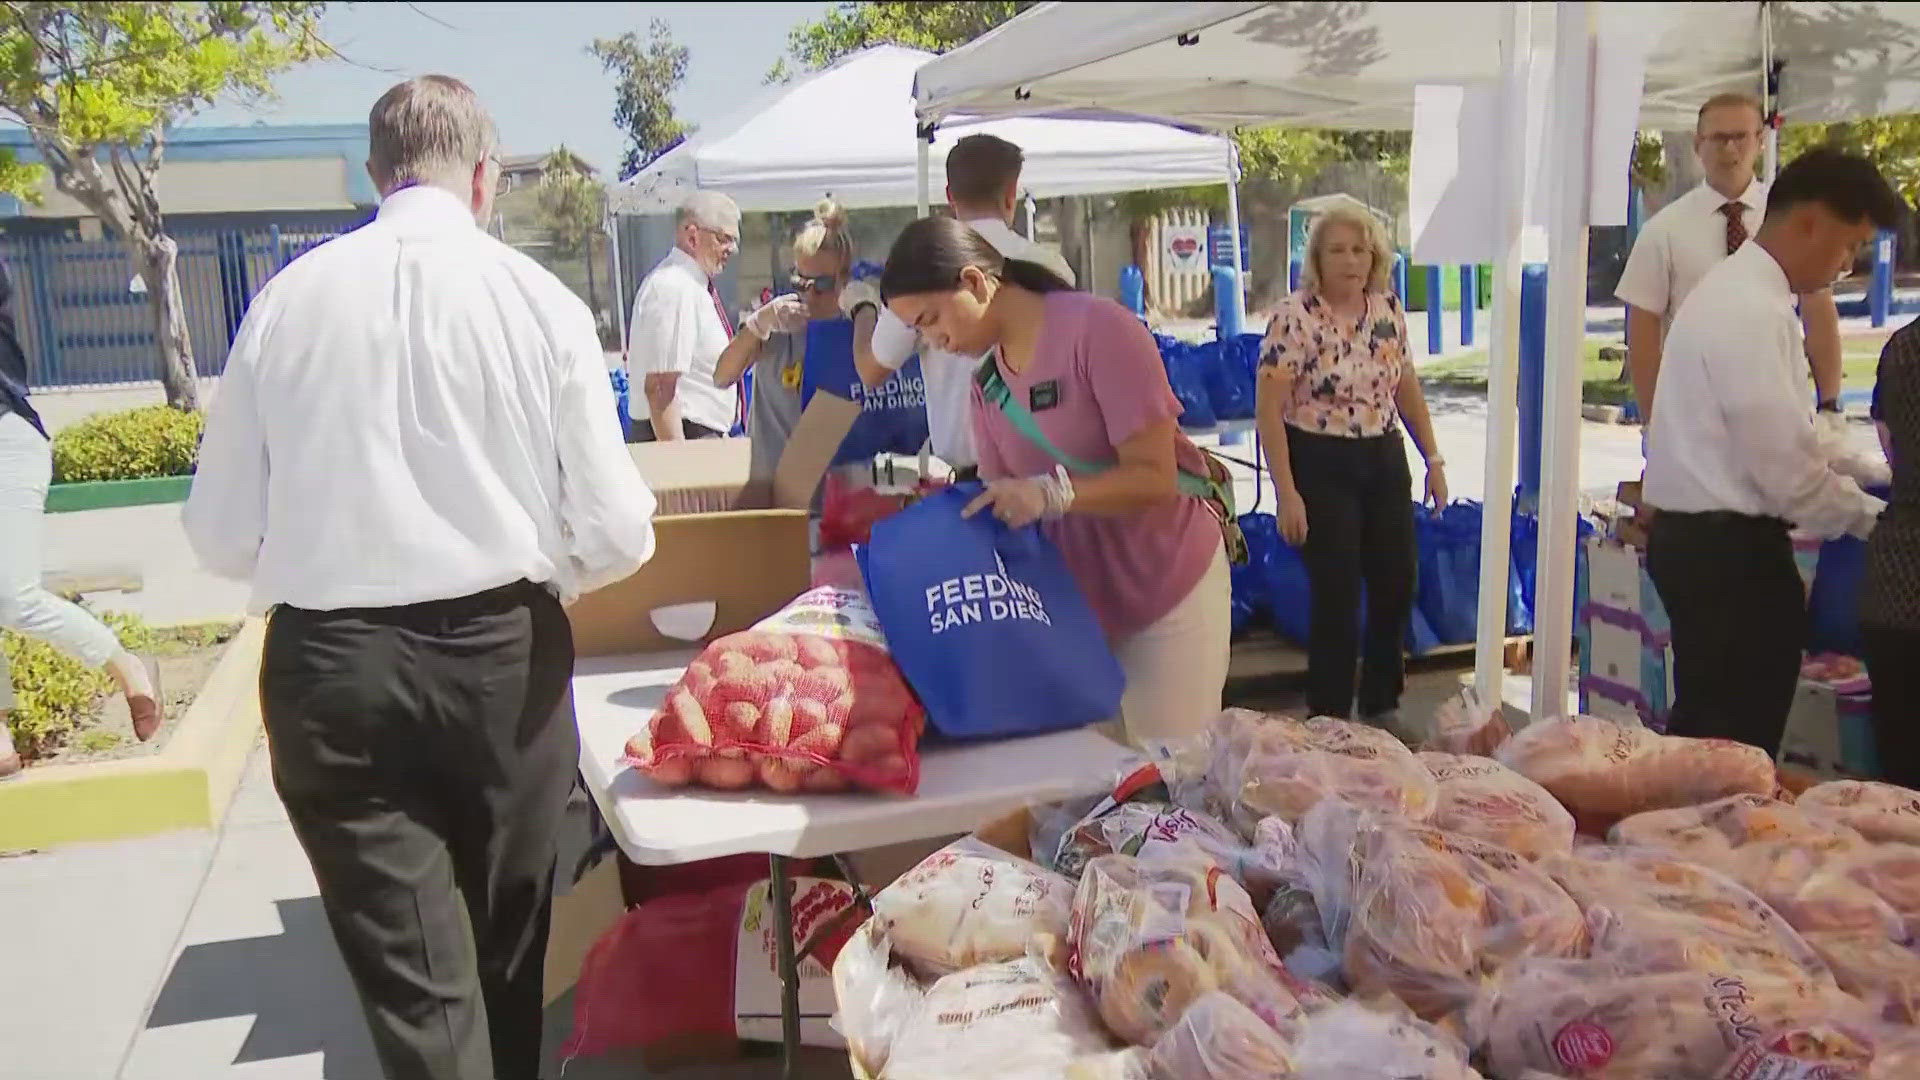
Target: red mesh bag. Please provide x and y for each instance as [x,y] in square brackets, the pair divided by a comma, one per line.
[807,701]
[849,507]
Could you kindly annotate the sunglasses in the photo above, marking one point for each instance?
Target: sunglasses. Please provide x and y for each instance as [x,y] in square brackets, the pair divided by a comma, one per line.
[820,283]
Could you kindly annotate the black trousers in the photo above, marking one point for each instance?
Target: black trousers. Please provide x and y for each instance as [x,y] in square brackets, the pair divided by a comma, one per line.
[1893,663]
[1739,615]
[425,762]
[643,431]
[1359,535]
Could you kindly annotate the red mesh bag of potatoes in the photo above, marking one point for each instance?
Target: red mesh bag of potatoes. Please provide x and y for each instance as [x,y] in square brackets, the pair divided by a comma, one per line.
[807,701]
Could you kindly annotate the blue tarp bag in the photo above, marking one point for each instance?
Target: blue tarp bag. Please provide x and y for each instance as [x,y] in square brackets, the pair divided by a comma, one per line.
[1228,379]
[893,415]
[1186,375]
[1289,594]
[1833,608]
[1251,600]
[987,623]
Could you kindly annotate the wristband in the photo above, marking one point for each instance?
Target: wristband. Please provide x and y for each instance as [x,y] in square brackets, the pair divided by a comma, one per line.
[1831,406]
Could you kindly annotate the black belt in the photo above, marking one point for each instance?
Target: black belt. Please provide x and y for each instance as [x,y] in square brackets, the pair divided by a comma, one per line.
[1724,518]
[966,473]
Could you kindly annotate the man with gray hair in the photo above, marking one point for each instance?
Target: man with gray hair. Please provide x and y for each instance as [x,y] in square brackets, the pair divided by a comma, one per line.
[415,459]
[679,326]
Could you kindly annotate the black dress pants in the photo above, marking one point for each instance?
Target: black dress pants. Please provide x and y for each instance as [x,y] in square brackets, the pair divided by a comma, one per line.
[425,762]
[1739,615]
[1359,535]
[1893,663]
[643,431]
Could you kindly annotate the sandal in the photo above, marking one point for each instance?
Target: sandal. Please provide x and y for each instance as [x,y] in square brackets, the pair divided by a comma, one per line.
[144,709]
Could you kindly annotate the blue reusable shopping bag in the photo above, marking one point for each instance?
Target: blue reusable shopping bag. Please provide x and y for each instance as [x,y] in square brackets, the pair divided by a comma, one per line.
[1188,379]
[987,623]
[893,415]
[1228,379]
[1251,601]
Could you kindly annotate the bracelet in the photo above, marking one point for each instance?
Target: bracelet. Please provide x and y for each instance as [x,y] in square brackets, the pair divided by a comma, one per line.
[1832,406]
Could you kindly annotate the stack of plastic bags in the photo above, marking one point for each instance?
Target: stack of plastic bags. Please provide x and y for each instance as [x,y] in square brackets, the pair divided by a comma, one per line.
[1284,898]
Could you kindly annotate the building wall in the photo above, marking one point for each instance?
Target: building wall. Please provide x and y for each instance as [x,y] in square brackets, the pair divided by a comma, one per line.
[222,187]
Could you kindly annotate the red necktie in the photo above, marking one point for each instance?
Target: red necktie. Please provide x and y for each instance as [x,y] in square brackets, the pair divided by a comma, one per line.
[739,388]
[1736,225]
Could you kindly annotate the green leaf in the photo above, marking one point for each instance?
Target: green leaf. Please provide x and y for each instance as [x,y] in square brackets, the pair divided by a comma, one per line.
[646,74]
[572,204]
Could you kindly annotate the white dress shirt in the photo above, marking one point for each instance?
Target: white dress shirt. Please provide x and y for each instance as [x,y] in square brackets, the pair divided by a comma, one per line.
[949,376]
[415,411]
[676,329]
[1739,433]
[1678,245]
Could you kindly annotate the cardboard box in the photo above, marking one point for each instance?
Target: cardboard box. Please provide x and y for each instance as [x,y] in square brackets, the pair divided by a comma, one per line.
[721,536]
[1828,732]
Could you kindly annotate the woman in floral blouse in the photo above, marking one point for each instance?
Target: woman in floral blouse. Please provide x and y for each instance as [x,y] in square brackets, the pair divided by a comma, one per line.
[1336,383]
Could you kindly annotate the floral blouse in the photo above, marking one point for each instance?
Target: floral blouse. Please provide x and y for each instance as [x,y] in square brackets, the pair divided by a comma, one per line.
[1344,372]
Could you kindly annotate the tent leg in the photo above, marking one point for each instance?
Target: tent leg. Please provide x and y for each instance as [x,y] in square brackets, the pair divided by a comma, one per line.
[1233,235]
[1489,654]
[924,141]
[1566,332]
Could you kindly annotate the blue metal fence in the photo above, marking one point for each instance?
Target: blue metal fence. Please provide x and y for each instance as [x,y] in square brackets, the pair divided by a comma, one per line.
[83,316]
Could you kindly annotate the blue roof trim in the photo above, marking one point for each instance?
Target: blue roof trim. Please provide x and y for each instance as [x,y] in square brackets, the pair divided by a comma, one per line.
[257,142]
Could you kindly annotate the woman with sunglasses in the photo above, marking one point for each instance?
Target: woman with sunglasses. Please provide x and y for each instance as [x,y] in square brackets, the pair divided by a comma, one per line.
[776,337]
[1150,559]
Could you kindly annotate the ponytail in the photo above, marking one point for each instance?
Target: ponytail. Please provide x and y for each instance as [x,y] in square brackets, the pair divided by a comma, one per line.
[930,254]
[827,232]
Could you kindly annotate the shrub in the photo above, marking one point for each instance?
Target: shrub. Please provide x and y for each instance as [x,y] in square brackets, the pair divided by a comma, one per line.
[132,445]
[55,693]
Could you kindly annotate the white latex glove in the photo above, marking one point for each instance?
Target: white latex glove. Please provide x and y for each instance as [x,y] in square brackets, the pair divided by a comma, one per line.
[858,294]
[893,341]
[1869,517]
[784,314]
[1867,468]
[1025,500]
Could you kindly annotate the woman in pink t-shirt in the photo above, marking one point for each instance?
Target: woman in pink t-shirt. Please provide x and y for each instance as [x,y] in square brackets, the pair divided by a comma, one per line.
[1150,560]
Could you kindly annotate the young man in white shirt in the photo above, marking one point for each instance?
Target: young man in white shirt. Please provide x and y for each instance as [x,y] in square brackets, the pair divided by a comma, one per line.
[680,327]
[983,188]
[414,458]
[1735,460]
[1693,233]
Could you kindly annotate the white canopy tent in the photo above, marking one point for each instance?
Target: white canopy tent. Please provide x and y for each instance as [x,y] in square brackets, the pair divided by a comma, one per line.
[849,132]
[1355,64]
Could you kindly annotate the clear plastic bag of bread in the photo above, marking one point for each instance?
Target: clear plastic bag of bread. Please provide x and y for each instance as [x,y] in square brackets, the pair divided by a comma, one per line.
[1426,915]
[971,903]
[1590,1020]
[1290,765]
[1651,911]
[1463,724]
[1140,818]
[1481,798]
[1809,870]
[1218,1038]
[873,997]
[1844,1048]
[1879,811]
[1017,1018]
[1355,1040]
[1604,770]
[1150,937]
[1874,968]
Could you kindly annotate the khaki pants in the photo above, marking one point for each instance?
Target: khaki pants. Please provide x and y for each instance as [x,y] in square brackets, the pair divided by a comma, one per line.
[1177,668]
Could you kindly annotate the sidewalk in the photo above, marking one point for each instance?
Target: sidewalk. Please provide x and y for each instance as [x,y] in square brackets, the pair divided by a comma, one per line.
[206,956]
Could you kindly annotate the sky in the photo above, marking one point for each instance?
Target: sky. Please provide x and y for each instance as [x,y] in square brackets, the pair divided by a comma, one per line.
[529,64]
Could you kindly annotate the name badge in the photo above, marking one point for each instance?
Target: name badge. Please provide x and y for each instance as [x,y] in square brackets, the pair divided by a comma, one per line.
[1044,396]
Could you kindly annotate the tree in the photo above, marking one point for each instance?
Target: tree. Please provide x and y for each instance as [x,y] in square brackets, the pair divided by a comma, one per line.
[647,74]
[1892,143]
[573,207]
[848,28]
[97,87]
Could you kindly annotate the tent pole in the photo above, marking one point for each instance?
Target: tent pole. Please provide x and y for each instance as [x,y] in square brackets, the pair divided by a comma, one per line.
[923,137]
[1572,152]
[620,299]
[1769,94]
[1489,654]
[1032,229]
[1233,234]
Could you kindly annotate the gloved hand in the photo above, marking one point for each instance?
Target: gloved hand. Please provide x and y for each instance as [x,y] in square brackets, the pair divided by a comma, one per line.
[1869,517]
[784,314]
[1025,500]
[857,294]
[1868,468]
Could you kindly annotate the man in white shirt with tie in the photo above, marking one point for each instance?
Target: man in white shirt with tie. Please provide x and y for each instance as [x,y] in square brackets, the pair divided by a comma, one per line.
[1689,237]
[983,187]
[680,327]
[414,458]
[1735,461]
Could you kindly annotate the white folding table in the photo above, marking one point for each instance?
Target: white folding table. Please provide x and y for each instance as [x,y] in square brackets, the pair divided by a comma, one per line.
[961,788]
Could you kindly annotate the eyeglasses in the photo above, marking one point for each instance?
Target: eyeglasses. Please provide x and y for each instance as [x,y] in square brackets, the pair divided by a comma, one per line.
[820,283]
[726,239]
[502,183]
[1730,139]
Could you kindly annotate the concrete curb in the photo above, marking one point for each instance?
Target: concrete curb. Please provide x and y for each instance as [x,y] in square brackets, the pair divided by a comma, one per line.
[187,785]
[106,494]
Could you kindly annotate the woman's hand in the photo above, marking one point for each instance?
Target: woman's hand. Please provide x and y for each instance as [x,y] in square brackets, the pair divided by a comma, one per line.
[1293,518]
[1025,500]
[1436,484]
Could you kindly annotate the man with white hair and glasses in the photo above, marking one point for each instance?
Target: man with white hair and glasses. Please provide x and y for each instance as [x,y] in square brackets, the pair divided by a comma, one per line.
[680,327]
[415,459]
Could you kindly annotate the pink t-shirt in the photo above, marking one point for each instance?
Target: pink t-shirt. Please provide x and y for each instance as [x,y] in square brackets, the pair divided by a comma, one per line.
[1094,382]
